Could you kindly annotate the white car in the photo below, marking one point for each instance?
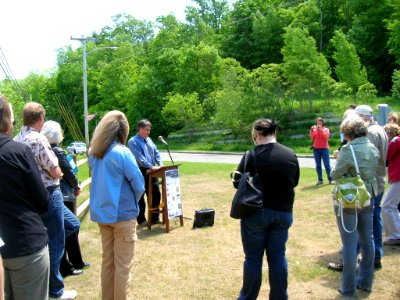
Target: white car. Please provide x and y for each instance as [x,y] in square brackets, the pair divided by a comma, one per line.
[80,147]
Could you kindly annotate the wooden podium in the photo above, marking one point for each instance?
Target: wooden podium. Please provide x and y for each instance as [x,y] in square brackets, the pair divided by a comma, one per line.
[163,207]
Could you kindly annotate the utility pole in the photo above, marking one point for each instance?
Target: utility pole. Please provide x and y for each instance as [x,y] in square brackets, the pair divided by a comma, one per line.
[83,40]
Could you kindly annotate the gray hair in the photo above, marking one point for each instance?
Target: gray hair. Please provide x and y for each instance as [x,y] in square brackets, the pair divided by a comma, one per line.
[52,131]
[354,127]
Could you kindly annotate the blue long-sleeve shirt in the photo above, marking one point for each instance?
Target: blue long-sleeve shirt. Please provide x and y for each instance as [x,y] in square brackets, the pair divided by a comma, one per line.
[117,186]
[144,150]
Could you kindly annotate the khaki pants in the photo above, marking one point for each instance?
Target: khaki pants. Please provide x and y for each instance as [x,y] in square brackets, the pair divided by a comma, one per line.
[118,243]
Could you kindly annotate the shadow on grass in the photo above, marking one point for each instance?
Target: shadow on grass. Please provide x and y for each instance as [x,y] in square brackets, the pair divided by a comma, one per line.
[156,230]
[313,187]
[389,250]
[144,233]
[325,258]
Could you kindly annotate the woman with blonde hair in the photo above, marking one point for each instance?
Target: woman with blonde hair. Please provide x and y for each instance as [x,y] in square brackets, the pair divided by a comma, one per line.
[393,118]
[117,186]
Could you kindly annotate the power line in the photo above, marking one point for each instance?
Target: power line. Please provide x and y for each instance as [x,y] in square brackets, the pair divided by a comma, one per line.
[9,74]
[6,67]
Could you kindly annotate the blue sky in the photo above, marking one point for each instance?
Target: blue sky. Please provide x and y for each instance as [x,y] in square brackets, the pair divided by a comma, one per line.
[32,30]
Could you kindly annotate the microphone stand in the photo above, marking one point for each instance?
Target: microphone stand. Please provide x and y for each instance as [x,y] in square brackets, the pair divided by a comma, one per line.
[169,153]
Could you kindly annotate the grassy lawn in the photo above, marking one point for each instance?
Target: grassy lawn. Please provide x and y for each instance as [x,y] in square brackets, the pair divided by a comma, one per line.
[206,263]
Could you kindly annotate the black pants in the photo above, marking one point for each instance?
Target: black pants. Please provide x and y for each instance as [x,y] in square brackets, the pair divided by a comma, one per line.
[72,258]
[155,199]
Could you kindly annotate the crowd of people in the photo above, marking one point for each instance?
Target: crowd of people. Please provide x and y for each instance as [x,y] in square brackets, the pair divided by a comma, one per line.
[375,149]
[39,231]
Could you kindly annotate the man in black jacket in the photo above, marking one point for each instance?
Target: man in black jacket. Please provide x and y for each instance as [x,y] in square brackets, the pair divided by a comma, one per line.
[23,198]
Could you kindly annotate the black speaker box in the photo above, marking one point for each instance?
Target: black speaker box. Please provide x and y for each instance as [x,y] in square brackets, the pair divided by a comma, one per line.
[204,217]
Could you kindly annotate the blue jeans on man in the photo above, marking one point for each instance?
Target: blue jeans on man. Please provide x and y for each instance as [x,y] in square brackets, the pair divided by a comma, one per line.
[377,227]
[322,154]
[362,235]
[54,222]
[265,231]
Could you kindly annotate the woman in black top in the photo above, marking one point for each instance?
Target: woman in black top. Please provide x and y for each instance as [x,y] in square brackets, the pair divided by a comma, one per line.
[267,229]
[72,262]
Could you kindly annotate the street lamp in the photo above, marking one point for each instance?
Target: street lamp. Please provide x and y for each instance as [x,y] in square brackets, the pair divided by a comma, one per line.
[83,40]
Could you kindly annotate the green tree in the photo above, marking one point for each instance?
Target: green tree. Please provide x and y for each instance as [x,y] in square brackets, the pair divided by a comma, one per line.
[306,71]
[238,41]
[307,16]
[246,96]
[198,70]
[149,93]
[211,12]
[370,36]
[127,29]
[348,67]
[396,84]
[14,93]
[393,25]
[182,111]
[267,35]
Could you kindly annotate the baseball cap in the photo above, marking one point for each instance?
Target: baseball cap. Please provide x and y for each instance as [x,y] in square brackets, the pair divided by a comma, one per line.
[363,110]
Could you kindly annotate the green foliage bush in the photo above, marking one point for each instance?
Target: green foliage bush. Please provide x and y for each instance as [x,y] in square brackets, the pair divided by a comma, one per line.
[396,84]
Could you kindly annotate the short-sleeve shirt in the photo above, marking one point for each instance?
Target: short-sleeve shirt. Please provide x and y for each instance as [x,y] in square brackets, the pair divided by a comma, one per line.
[41,150]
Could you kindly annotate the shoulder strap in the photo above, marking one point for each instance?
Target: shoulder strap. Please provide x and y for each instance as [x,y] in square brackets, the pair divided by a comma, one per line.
[246,159]
[355,160]
[253,153]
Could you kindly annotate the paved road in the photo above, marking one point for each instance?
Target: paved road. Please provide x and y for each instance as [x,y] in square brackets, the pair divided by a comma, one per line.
[229,158]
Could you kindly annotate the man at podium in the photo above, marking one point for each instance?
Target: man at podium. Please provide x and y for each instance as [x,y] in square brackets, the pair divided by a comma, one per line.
[148,158]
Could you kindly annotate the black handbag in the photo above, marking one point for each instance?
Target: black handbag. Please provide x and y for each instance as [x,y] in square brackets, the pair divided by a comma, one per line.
[67,191]
[204,217]
[248,197]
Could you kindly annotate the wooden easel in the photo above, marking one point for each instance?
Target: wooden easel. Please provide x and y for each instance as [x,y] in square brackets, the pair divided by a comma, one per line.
[163,207]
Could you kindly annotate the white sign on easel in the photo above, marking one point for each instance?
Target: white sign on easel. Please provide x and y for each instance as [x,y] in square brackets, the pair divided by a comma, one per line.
[174,202]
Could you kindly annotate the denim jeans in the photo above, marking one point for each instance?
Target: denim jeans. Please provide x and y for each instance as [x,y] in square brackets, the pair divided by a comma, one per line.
[377,227]
[53,219]
[266,230]
[324,155]
[362,234]
[71,222]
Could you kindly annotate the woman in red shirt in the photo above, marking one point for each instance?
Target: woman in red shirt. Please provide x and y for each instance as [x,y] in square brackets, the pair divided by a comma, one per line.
[320,135]
[390,213]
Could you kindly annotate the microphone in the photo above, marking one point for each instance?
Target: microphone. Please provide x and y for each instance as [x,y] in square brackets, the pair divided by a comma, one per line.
[161,139]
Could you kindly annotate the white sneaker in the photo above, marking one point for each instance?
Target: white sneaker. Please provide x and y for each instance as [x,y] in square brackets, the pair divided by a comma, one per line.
[68,295]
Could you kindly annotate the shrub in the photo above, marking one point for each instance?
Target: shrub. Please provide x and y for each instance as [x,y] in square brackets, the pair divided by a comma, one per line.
[396,84]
